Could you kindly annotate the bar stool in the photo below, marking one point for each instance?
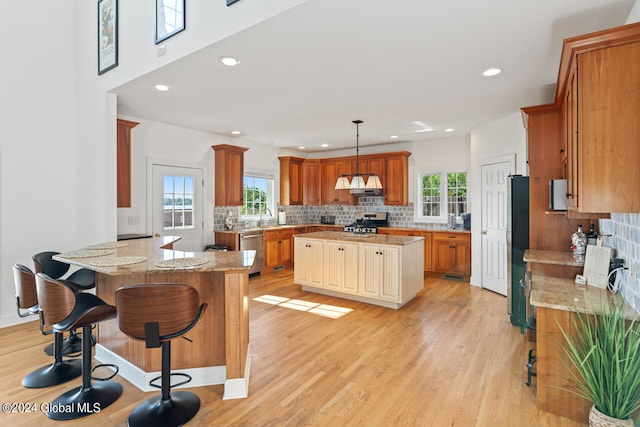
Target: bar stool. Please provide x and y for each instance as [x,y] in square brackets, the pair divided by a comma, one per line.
[78,309]
[157,313]
[60,371]
[80,280]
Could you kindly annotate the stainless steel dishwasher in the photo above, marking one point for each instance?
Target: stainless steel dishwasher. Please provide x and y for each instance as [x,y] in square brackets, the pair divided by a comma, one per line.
[254,240]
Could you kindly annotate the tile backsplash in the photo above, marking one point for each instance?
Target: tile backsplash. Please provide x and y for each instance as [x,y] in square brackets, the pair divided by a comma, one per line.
[399,216]
[622,233]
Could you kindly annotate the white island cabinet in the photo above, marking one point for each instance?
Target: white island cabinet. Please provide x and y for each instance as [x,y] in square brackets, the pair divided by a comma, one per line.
[378,269]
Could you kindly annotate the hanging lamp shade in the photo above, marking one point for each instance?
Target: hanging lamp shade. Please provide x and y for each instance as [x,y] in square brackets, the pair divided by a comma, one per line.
[357,183]
[342,183]
[374,183]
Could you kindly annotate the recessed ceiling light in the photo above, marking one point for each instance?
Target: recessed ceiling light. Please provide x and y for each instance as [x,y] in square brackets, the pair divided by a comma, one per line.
[425,130]
[302,148]
[394,137]
[229,61]
[324,145]
[163,88]
[235,132]
[492,72]
[449,130]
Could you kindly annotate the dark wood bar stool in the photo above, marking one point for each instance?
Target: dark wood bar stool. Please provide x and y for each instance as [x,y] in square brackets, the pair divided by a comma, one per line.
[158,313]
[60,371]
[74,310]
[80,280]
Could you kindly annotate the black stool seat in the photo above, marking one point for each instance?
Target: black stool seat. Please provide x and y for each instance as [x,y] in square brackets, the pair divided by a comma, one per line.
[158,313]
[80,310]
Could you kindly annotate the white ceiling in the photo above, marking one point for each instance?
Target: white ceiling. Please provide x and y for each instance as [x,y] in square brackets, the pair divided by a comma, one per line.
[399,65]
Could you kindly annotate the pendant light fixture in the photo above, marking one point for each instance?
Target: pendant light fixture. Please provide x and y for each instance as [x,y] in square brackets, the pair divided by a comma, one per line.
[358,183]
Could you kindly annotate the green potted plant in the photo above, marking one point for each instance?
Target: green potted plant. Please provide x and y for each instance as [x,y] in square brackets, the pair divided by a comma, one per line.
[604,361]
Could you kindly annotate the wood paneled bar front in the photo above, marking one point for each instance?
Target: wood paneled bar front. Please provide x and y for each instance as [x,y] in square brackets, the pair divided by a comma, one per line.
[216,350]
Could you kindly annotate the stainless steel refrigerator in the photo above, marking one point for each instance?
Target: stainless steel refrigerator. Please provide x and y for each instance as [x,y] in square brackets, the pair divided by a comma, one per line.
[517,243]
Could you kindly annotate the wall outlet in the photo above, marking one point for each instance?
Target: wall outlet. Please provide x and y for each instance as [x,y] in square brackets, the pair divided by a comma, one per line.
[133,220]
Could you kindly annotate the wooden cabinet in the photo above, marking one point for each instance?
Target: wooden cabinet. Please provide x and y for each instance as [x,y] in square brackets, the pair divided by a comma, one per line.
[452,253]
[339,259]
[311,182]
[232,240]
[229,175]
[308,268]
[277,248]
[291,180]
[598,93]
[330,170]
[123,162]
[395,185]
[379,272]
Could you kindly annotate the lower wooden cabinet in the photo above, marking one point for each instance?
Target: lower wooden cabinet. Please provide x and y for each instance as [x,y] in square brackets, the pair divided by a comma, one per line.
[277,248]
[452,253]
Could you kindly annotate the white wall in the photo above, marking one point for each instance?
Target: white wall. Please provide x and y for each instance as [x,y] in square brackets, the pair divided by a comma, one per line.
[57,135]
[501,137]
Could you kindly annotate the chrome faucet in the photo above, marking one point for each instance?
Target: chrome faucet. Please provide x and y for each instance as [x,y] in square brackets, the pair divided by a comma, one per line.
[260,222]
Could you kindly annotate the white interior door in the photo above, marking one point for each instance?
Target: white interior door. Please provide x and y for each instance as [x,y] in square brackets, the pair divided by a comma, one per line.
[177,205]
[494,225]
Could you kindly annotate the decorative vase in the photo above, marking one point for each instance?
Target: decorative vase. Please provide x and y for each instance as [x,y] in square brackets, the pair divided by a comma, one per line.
[598,419]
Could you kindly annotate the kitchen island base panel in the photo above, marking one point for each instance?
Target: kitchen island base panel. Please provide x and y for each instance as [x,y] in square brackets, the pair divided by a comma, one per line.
[213,375]
[359,298]
[234,388]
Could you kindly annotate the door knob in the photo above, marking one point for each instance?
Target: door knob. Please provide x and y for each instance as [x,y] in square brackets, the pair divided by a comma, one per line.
[484,231]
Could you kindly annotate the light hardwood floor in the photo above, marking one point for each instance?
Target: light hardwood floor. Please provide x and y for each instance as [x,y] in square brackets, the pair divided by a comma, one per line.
[448,358]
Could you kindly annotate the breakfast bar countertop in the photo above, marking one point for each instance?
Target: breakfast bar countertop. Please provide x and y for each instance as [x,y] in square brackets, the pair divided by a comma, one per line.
[153,255]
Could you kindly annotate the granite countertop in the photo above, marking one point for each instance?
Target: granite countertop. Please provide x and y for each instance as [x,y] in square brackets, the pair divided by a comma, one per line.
[141,256]
[566,295]
[376,239]
[540,256]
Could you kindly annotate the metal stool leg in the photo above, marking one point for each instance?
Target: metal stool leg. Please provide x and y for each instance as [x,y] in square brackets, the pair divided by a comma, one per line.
[531,361]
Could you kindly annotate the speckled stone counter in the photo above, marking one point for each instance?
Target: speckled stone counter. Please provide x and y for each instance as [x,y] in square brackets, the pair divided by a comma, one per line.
[376,239]
[217,349]
[553,257]
[565,294]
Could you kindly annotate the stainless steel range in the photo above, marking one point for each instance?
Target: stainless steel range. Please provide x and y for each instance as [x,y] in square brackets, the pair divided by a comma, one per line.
[368,222]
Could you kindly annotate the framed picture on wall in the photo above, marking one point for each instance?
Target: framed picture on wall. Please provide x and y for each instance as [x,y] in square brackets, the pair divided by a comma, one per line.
[107,35]
[169,18]
[230,2]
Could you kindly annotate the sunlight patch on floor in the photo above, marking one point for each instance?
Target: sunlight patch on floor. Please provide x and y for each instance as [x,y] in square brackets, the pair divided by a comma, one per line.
[325,310]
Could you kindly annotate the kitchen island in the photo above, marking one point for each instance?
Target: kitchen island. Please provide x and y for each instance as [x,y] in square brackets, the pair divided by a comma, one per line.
[216,350]
[381,269]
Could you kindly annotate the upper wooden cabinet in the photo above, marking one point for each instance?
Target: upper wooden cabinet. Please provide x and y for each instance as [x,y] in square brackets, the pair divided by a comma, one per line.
[291,184]
[330,170]
[395,185]
[123,162]
[229,174]
[598,93]
[311,182]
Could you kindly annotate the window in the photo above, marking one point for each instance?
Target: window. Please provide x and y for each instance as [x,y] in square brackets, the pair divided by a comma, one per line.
[178,202]
[441,194]
[258,197]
